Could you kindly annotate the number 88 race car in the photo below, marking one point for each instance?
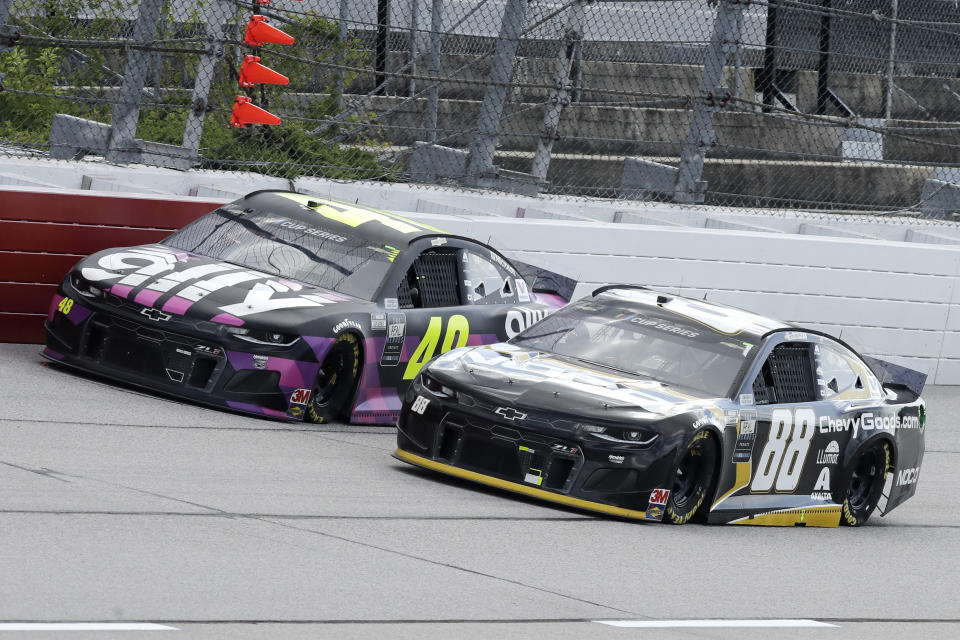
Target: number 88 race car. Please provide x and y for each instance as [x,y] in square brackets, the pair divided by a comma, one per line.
[657,407]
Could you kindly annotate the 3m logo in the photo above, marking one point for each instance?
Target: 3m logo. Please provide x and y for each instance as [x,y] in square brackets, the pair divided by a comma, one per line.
[300,396]
[659,497]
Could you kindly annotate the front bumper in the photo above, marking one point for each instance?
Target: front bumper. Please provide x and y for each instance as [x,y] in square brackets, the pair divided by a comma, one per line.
[543,460]
[179,357]
[515,487]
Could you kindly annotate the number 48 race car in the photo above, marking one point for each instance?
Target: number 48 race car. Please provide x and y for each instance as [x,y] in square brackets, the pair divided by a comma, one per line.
[657,407]
[291,306]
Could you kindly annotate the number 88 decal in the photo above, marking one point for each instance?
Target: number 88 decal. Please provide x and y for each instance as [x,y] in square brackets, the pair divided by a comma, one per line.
[786,449]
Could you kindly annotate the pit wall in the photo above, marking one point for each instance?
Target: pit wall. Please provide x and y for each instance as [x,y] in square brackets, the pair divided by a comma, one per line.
[888,287]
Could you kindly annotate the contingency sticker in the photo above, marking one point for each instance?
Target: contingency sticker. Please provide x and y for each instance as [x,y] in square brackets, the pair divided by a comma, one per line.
[378,321]
[657,504]
[746,435]
[523,293]
[396,332]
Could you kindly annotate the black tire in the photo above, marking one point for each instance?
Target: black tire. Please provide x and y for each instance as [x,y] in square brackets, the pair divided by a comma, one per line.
[336,380]
[694,480]
[865,484]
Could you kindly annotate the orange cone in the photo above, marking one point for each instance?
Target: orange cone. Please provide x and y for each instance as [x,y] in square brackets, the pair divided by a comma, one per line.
[259,32]
[251,72]
[245,112]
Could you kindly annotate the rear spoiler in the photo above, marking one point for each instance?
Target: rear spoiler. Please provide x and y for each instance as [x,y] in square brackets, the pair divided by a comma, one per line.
[896,376]
[545,281]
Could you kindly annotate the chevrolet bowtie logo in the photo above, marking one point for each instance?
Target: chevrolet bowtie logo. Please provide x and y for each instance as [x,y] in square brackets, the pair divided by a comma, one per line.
[510,413]
[154,314]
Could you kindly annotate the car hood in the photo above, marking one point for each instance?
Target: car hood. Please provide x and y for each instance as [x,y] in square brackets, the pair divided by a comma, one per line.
[178,283]
[541,380]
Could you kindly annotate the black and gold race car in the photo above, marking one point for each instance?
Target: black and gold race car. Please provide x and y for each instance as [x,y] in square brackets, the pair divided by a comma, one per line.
[656,407]
[292,306]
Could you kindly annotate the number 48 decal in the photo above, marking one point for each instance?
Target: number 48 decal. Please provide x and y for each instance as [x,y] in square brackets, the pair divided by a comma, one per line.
[786,449]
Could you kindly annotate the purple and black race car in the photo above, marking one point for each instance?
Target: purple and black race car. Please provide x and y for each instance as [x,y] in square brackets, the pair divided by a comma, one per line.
[292,306]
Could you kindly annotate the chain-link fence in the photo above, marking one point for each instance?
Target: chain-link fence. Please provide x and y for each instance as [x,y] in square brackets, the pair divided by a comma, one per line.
[807,104]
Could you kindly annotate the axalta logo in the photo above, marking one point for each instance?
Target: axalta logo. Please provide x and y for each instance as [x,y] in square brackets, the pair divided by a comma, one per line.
[830,454]
[868,422]
[821,489]
[908,476]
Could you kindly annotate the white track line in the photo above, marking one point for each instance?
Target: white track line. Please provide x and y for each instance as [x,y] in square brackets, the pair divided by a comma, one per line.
[84,626]
[666,624]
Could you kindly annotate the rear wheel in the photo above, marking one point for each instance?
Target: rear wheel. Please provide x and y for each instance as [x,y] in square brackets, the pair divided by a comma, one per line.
[693,481]
[865,484]
[335,382]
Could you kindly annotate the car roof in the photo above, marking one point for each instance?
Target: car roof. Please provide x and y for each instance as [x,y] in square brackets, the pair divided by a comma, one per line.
[719,317]
[344,218]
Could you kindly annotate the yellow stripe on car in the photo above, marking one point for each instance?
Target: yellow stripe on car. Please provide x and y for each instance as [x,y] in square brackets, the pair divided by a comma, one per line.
[433,465]
[350,214]
[825,516]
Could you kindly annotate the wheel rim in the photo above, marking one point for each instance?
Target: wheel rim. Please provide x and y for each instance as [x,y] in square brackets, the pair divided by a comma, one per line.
[689,478]
[861,481]
[327,378]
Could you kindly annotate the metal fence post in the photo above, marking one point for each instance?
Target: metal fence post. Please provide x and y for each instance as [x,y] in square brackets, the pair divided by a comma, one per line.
[216,17]
[382,47]
[726,37]
[342,43]
[433,70]
[823,62]
[560,93]
[891,63]
[414,36]
[126,112]
[5,11]
[483,142]
[767,75]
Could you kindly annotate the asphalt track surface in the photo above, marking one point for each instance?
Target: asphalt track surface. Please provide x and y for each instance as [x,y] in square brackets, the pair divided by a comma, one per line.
[121,506]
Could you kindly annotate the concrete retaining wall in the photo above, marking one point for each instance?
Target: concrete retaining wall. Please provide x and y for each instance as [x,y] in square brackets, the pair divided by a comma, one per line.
[887,285]
[894,300]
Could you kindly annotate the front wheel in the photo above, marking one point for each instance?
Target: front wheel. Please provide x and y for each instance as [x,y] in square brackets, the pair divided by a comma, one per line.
[866,484]
[336,379]
[694,479]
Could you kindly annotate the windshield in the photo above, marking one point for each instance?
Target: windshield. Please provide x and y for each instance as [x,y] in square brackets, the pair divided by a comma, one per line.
[288,247]
[643,341]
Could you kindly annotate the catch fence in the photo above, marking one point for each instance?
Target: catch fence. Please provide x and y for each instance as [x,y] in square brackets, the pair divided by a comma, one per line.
[805,104]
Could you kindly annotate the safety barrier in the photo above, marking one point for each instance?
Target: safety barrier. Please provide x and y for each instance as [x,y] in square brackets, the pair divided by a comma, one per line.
[43,232]
[888,297]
